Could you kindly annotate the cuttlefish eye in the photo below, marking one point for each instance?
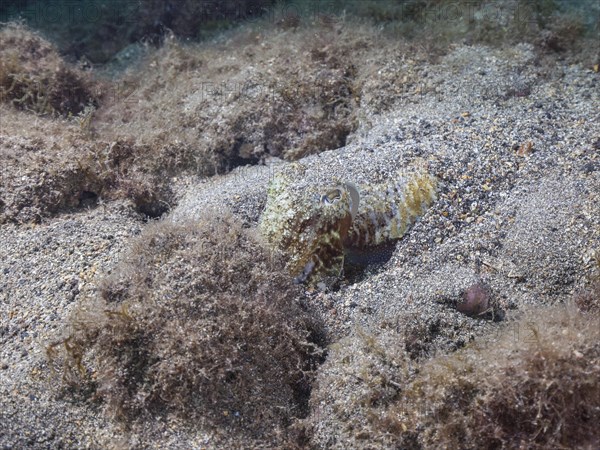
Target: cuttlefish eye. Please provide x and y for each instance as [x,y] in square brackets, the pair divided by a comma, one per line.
[331,197]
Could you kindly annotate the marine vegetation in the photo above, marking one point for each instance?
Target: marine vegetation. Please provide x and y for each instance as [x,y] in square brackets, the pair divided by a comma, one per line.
[200,322]
[533,385]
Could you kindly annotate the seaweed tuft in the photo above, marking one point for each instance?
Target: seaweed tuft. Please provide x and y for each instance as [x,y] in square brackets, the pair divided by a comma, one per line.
[533,385]
[33,76]
[200,322]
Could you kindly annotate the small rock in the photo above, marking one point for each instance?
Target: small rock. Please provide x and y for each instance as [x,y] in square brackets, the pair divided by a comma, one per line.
[588,168]
[476,300]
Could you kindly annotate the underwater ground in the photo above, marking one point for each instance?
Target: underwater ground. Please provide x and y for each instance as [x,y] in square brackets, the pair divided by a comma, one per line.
[146,300]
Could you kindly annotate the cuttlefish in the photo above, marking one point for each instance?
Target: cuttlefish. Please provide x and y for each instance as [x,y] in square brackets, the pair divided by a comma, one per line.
[318,227]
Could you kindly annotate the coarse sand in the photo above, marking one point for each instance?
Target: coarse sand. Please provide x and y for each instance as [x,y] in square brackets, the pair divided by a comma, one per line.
[516,145]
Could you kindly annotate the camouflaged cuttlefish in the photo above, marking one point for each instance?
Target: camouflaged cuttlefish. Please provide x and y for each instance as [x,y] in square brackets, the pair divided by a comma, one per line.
[316,227]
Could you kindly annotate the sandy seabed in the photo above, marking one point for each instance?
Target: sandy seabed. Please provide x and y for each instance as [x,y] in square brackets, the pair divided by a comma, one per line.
[514,140]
